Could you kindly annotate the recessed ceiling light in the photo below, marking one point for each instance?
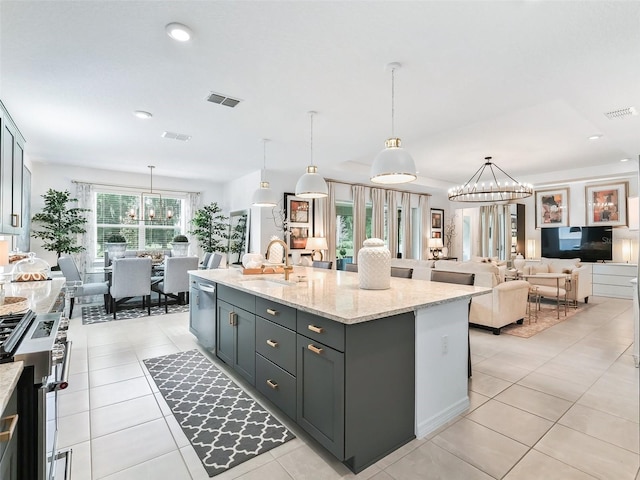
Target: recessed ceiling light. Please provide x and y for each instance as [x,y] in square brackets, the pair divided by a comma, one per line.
[178,32]
[142,114]
[595,137]
[625,159]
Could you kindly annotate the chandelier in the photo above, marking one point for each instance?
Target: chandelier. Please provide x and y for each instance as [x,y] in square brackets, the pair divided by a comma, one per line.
[483,186]
[150,210]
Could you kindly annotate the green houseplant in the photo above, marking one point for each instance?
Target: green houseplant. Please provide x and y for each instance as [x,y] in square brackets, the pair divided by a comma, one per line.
[60,224]
[180,246]
[116,245]
[211,228]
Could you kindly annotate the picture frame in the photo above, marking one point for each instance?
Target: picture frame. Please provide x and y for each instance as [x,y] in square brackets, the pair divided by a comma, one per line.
[552,208]
[607,204]
[299,216]
[437,222]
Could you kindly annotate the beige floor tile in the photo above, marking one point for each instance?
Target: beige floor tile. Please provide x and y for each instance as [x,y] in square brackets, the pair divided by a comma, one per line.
[106,361]
[73,429]
[156,351]
[487,385]
[80,462]
[177,432]
[118,392]
[593,456]
[554,386]
[117,348]
[483,448]
[533,401]
[162,403]
[500,369]
[272,470]
[122,415]
[169,466]
[616,400]
[400,452]
[196,470]
[432,461]
[612,429]
[77,382]
[512,422]
[72,403]
[475,400]
[382,476]
[572,371]
[306,463]
[538,466]
[117,451]
[105,376]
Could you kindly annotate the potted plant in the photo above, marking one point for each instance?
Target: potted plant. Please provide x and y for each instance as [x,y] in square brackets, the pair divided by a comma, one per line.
[211,228]
[60,224]
[180,246]
[116,245]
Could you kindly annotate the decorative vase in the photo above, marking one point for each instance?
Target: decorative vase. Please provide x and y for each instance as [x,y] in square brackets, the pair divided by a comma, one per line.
[444,253]
[115,249]
[374,265]
[519,262]
[180,249]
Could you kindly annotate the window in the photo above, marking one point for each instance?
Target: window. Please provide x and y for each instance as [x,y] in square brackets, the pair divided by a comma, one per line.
[148,228]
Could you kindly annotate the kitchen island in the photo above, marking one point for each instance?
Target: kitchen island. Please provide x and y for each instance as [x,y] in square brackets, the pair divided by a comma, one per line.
[362,371]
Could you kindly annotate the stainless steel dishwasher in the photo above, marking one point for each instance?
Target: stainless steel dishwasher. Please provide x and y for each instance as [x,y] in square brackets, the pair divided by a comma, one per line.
[202,312]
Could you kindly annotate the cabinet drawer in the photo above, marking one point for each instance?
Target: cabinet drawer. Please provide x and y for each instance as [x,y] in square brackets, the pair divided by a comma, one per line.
[321,329]
[276,312]
[277,385]
[276,343]
[243,300]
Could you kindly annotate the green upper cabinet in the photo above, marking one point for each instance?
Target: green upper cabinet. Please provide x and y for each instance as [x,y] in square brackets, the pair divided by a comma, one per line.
[11,165]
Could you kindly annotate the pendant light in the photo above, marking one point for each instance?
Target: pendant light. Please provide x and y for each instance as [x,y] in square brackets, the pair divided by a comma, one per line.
[264,196]
[393,164]
[311,184]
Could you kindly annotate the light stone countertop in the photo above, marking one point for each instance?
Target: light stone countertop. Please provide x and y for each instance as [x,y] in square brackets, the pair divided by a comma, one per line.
[9,376]
[336,295]
[42,295]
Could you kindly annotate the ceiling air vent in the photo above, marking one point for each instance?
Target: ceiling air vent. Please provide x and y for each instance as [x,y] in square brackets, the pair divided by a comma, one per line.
[623,112]
[222,100]
[176,136]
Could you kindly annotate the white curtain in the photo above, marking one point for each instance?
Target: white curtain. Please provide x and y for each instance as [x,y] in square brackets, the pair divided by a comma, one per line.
[392,223]
[407,232]
[191,205]
[327,211]
[359,218]
[377,215]
[84,260]
[495,222]
[425,225]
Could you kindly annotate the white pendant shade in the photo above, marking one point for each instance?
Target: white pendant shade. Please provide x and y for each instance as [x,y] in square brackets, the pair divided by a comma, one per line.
[264,196]
[312,184]
[393,165]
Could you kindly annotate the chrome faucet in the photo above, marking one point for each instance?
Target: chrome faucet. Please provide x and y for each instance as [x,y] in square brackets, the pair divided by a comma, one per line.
[287,267]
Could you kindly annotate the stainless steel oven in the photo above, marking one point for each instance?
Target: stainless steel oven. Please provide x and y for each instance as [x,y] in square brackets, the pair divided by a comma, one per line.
[40,342]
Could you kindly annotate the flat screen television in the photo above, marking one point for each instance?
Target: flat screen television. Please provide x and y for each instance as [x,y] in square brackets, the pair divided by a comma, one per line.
[590,244]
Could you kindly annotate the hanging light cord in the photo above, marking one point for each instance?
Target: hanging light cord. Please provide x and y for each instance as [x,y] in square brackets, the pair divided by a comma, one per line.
[264,159]
[151,167]
[393,102]
[311,142]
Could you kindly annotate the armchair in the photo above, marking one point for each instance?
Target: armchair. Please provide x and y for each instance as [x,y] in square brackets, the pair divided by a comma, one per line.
[580,284]
[506,304]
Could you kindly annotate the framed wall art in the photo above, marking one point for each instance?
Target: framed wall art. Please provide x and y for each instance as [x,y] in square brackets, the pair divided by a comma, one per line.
[607,204]
[298,213]
[437,222]
[552,208]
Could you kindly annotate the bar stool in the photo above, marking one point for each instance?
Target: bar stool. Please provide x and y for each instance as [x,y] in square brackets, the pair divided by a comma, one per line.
[533,302]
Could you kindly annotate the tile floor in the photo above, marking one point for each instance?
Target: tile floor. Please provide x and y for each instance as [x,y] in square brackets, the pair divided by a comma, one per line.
[560,405]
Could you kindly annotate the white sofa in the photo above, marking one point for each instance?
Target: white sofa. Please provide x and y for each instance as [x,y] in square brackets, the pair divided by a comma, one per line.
[507,302]
[580,286]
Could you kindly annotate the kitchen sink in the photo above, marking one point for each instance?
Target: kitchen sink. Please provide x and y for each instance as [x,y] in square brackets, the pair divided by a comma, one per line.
[266,283]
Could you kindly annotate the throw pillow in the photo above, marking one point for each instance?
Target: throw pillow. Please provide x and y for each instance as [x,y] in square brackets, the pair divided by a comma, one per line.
[535,269]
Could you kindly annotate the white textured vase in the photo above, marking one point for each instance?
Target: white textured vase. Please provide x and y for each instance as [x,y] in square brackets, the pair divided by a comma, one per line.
[180,249]
[519,262]
[374,265]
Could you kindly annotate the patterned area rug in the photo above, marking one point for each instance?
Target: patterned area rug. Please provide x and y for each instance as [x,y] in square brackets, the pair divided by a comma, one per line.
[96,314]
[225,426]
[547,317]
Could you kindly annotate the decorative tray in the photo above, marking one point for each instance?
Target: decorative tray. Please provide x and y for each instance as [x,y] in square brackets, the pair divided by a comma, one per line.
[261,271]
[13,305]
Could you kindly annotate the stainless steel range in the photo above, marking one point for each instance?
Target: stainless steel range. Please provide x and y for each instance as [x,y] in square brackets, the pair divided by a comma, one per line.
[40,342]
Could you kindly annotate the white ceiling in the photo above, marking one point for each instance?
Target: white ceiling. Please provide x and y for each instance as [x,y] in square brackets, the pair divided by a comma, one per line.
[523,81]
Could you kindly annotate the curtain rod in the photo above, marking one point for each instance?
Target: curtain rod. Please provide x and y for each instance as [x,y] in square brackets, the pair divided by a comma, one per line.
[374,186]
[117,185]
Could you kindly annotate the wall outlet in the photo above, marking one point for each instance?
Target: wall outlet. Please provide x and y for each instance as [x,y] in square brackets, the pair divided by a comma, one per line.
[445,344]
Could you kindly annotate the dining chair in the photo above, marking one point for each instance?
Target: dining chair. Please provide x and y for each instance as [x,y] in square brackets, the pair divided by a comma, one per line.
[205,260]
[131,277]
[322,264]
[214,260]
[70,272]
[460,278]
[175,283]
[401,272]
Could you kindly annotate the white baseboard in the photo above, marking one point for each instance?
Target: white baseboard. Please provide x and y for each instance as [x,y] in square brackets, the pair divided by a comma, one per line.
[434,422]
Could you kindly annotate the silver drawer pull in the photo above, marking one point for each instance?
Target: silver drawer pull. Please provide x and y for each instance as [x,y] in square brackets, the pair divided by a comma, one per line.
[12,421]
[272,384]
[272,343]
[233,318]
[314,349]
[271,311]
[315,329]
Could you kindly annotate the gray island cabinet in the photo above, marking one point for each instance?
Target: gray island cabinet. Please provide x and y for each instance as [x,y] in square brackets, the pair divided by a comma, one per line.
[338,362]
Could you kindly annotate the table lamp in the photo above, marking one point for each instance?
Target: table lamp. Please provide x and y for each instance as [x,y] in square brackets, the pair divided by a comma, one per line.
[435,245]
[317,244]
